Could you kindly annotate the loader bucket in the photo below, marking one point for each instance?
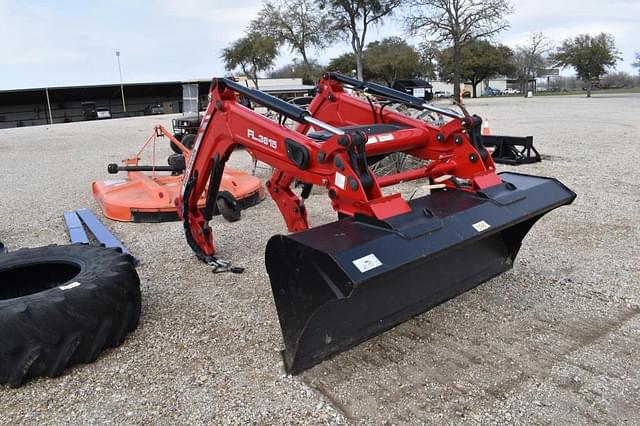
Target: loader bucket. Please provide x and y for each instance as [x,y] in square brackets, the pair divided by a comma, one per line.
[339,284]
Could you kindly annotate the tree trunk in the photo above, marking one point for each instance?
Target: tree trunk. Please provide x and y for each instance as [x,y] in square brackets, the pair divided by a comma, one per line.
[359,65]
[457,70]
[254,74]
[308,66]
[358,48]
[589,89]
[475,85]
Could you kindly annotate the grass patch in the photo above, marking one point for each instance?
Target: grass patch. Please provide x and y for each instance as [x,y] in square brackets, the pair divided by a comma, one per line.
[593,92]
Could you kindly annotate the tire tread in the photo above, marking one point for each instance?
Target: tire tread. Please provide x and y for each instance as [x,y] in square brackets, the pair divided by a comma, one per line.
[46,335]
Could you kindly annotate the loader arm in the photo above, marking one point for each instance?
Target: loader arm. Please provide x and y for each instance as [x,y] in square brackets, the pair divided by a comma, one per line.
[385,259]
[337,161]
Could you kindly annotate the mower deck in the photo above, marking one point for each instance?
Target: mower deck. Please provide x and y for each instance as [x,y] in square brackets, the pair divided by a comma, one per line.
[144,198]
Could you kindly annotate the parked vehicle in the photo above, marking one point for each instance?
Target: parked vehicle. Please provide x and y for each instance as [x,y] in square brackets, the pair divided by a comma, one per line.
[489,91]
[511,91]
[89,110]
[185,129]
[153,109]
[416,87]
[447,94]
[103,113]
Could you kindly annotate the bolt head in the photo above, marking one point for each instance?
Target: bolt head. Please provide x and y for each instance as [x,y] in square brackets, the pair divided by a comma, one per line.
[353,184]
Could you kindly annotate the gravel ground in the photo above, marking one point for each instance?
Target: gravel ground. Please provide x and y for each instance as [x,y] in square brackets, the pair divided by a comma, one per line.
[551,341]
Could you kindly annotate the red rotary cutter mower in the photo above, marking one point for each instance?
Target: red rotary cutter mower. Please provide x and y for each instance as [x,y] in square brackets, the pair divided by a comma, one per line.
[385,258]
[141,197]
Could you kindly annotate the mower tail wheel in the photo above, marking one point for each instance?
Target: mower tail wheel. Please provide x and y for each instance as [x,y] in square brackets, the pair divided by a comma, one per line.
[174,147]
[186,139]
[177,162]
[228,206]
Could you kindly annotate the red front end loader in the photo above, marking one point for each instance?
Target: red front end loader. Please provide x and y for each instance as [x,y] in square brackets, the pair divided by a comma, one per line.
[385,259]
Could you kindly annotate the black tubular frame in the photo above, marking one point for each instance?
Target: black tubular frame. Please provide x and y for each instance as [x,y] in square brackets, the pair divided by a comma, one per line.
[278,105]
[391,94]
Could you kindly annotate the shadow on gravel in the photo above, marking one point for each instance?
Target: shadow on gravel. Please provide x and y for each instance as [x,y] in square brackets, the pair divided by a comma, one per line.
[479,351]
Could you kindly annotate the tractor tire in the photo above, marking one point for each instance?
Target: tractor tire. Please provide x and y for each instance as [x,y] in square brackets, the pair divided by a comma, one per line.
[187,140]
[177,162]
[174,147]
[63,305]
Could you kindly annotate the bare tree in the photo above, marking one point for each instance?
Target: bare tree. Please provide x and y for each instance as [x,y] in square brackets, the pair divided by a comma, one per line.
[429,52]
[530,59]
[637,62]
[353,19]
[617,80]
[298,24]
[298,69]
[457,22]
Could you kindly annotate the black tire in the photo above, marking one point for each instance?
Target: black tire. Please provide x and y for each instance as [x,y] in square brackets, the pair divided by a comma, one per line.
[177,162]
[187,140]
[228,206]
[63,305]
[174,147]
[3,248]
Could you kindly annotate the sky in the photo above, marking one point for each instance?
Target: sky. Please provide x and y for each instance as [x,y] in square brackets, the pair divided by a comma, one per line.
[68,42]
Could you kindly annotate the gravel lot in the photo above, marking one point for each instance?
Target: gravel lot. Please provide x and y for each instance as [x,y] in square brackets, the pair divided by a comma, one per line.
[554,340]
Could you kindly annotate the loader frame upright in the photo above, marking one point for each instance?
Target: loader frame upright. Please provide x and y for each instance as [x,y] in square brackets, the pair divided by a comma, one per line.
[337,159]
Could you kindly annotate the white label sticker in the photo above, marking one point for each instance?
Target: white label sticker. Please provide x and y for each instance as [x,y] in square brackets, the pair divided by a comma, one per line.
[69,286]
[114,182]
[385,138]
[340,180]
[372,139]
[481,226]
[367,263]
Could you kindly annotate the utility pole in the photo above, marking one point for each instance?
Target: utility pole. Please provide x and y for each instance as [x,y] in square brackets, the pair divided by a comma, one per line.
[124,106]
[46,91]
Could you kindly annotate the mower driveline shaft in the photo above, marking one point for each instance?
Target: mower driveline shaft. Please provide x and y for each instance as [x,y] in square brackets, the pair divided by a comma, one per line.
[114,168]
